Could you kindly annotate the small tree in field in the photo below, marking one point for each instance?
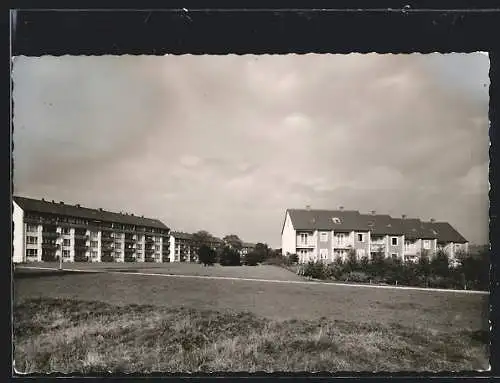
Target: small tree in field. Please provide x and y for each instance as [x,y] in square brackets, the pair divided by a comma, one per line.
[206,255]
[423,269]
[252,258]
[230,257]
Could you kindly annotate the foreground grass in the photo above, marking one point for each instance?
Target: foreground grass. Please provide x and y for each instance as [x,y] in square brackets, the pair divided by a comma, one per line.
[62,335]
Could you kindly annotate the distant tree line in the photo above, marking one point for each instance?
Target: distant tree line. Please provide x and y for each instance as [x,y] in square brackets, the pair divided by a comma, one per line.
[469,272]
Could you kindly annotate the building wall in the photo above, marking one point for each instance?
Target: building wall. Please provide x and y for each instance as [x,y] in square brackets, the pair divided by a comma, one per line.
[171,243]
[397,249]
[324,247]
[19,254]
[361,247]
[288,237]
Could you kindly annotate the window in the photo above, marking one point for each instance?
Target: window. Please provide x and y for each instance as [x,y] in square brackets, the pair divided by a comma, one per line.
[66,242]
[31,240]
[31,228]
[94,254]
[394,255]
[31,252]
[94,235]
[360,253]
[361,237]
[394,241]
[323,253]
[65,230]
[323,236]
[303,238]
[118,252]
[139,246]
[93,243]
[336,220]
[407,245]
[340,238]
[65,253]
[457,246]
[427,244]
[157,247]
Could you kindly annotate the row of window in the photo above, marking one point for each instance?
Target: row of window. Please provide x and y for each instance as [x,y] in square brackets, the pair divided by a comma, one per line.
[31,228]
[361,238]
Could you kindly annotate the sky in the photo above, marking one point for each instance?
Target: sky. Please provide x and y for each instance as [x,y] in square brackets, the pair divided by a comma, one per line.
[227,143]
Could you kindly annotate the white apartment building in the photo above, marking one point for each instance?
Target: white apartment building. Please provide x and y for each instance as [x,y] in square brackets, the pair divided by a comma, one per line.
[49,231]
[324,235]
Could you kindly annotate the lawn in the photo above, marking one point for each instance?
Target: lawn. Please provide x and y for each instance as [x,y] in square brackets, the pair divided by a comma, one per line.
[82,322]
[253,272]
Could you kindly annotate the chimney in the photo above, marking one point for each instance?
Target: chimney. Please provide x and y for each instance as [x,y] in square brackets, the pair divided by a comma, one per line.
[341,208]
[77,205]
[53,201]
[373,212]
[43,199]
[61,202]
[308,207]
[403,216]
[100,209]
[433,220]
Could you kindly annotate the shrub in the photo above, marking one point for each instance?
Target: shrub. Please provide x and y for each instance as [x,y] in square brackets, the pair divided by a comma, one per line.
[291,259]
[314,270]
[230,257]
[276,260]
[357,276]
[252,258]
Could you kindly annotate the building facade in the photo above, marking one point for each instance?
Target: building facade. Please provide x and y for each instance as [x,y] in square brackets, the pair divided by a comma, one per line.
[325,235]
[48,231]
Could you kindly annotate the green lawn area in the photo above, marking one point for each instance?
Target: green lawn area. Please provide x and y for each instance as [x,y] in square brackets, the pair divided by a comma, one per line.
[123,322]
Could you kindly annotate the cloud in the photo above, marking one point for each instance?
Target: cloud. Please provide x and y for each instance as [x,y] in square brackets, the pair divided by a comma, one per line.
[227,143]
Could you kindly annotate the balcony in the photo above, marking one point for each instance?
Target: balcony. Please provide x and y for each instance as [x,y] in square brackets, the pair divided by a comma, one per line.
[81,247]
[50,234]
[376,247]
[308,244]
[82,236]
[50,246]
[129,240]
[107,239]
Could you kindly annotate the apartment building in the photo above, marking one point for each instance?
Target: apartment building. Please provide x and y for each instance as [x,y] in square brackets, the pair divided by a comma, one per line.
[324,235]
[48,231]
[182,248]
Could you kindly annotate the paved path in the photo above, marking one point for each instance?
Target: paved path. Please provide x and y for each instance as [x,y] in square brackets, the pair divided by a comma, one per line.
[258,280]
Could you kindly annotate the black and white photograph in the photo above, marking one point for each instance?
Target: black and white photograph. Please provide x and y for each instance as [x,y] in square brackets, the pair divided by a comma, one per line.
[250,213]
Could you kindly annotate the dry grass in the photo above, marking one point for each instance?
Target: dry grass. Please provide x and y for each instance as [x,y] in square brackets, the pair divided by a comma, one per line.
[60,335]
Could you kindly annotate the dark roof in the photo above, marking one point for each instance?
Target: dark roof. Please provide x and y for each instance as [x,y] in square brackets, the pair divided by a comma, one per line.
[445,232]
[309,219]
[181,235]
[415,228]
[40,206]
[382,224]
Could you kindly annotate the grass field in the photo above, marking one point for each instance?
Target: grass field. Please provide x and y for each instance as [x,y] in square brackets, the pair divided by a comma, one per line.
[123,322]
[255,272]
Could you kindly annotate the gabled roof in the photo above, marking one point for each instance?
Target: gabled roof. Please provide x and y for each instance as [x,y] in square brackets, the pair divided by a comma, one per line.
[40,206]
[309,219]
[414,229]
[382,224]
[445,232]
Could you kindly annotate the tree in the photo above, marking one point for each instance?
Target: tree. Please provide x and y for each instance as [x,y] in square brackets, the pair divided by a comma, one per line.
[377,264]
[423,266]
[234,241]
[252,258]
[352,260]
[263,251]
[230,257]
[440,264]
[206,255]
[199,239]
